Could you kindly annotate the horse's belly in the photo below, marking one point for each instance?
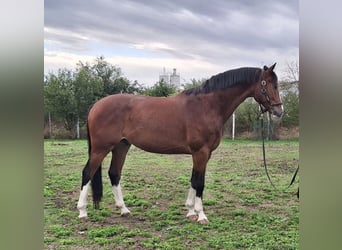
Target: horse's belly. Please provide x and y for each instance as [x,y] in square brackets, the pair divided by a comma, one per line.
[158,140]
[163,149]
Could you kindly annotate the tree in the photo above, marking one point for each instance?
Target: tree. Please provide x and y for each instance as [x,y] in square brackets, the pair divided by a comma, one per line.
[112,79]
[246,115]
[290,95]
[59,97]
[108,74]
[292,73]
[87,89]
[291,109]
[193,83]
[68,95]
[161,89]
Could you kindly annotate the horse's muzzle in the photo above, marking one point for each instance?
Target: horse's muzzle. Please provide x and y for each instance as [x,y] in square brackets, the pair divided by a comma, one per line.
[277,111]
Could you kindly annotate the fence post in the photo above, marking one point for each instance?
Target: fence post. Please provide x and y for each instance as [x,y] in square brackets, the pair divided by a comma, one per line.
[233,127]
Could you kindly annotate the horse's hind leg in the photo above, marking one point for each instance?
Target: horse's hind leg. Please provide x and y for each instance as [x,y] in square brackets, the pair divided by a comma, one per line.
[118,158]
[91,174]
[82,201]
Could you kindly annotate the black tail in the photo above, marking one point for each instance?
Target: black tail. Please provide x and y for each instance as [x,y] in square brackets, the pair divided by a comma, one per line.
[85,175]
[88,140]
[86,169]
[96,186]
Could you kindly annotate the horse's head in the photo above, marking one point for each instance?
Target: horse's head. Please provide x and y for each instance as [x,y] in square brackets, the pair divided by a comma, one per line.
[266,92]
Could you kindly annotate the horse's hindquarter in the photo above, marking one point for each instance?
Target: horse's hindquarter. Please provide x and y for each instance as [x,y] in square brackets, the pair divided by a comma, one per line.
[106,120]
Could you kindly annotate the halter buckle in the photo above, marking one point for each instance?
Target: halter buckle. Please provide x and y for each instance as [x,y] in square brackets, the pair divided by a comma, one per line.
[263,87]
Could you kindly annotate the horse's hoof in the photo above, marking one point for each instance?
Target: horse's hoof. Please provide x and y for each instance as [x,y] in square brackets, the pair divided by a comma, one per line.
[125,214]
[203,221]
[83,218]
[193,217]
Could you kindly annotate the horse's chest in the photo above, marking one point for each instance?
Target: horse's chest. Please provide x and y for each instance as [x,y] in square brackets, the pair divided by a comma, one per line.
[204,136]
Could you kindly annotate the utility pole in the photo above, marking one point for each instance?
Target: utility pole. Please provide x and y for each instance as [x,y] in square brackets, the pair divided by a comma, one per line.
[78,128]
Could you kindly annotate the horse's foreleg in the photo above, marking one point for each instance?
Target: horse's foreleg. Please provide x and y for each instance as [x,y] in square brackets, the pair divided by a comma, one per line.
[194,201]
[190,204]
[118,158]
[197,182]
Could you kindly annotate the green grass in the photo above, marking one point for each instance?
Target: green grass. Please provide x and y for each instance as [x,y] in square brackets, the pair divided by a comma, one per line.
[244,211]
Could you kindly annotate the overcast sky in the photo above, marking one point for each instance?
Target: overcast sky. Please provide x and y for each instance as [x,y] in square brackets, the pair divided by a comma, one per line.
[198,37]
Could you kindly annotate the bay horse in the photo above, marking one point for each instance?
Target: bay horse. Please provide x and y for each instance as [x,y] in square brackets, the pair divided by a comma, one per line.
[188,123]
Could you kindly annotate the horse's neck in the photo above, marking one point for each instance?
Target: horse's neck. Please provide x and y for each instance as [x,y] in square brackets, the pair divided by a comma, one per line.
[229,99]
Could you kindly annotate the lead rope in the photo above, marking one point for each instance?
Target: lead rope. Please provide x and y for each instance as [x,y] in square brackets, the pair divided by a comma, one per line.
[264,159]
[263,151]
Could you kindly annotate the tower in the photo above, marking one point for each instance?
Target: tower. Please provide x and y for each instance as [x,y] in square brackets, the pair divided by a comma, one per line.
[164,77]
[170,78]
[175,79]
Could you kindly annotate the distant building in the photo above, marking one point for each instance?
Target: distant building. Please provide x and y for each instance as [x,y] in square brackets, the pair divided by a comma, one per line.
[165,77]
[175,79]
[170,78]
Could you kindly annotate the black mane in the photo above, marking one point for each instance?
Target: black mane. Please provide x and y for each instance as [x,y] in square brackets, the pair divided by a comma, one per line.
[226,79]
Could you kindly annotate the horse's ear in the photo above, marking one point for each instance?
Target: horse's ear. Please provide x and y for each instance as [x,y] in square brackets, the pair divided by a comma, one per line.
[265,68]
[272,67]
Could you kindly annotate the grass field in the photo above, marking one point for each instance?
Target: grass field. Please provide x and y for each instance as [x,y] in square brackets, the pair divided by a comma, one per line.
[243,209]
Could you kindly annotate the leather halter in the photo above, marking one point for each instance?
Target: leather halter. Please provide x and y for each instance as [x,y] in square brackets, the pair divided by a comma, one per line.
[264,93]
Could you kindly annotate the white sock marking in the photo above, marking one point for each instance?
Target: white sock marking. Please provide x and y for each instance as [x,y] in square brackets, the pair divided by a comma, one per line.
[190,201]
[198,204]
[191,212]
[82,201]
[119,202]
[199,209]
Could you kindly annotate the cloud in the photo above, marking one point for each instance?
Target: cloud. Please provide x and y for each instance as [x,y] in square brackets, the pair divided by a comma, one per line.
[217,34]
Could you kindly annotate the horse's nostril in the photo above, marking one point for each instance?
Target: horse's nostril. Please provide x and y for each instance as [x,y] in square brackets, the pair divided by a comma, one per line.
[278,113]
